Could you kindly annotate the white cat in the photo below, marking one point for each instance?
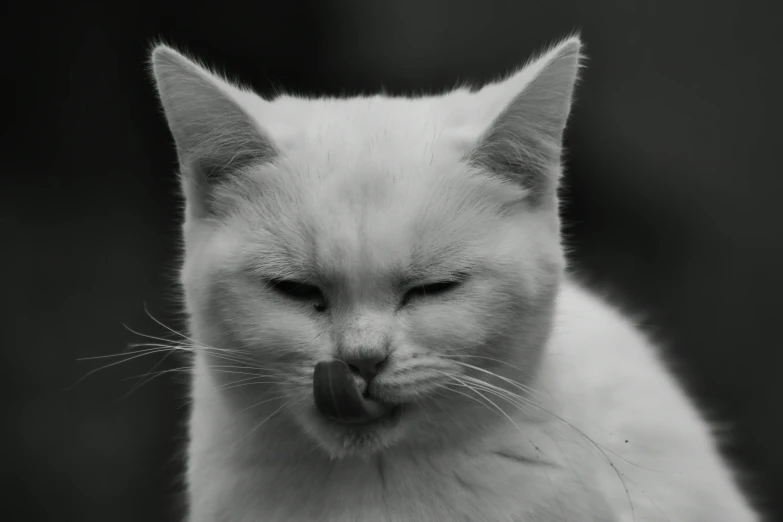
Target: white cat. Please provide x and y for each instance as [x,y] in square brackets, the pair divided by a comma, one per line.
[417,240]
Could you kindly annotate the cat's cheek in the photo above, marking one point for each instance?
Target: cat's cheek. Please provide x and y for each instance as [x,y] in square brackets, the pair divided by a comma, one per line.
[272,332]
[444,328]
[287,330]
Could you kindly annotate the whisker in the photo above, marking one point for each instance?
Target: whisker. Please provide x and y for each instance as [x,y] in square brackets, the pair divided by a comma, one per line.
[278,410]
[244,382]
[498,408]
[262,402]
[218,369]
[95,370]
[192,343]
[125,353]
[493,359]
[306,453]
[147,379]
[515,398]
[452,390]
[512,382]
[257,426]
[168,328]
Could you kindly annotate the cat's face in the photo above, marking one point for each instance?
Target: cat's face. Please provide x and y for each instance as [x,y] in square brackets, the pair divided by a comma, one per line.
[371,227]
[369,248]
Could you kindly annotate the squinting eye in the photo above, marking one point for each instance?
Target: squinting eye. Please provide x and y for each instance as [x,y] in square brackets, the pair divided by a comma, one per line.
[430,289]
[299,291]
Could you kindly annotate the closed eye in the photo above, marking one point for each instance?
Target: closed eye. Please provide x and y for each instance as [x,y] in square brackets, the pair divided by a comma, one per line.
[299,291]
[434,289]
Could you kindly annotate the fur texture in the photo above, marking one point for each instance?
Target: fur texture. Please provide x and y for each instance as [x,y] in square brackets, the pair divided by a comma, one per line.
[523,397]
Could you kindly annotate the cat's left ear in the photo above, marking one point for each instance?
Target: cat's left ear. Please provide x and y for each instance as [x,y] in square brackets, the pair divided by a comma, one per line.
[214,134]
[524,141]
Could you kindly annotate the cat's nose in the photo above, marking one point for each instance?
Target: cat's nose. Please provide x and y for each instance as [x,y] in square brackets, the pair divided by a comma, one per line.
[366,366]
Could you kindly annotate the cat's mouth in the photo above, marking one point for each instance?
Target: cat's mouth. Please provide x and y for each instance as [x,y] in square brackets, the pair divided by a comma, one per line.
[340,400]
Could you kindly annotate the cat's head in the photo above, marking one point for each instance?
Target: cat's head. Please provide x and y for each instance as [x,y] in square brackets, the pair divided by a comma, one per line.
[415,237]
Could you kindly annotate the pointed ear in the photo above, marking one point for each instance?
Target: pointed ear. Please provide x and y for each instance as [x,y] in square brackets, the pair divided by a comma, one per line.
[524,141]
[214,135]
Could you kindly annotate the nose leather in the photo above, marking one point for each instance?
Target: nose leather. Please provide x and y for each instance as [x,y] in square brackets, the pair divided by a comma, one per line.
[366,366]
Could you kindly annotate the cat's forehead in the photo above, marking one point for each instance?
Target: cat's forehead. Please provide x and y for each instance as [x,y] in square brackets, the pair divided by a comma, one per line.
[367,222]
[381,186]
[426,131]
[375,155]
[370,221]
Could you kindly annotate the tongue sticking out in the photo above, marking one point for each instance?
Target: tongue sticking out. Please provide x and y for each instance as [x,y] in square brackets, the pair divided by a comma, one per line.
[338,397]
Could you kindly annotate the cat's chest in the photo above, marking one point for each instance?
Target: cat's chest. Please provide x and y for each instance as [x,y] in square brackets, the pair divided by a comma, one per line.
[490,489]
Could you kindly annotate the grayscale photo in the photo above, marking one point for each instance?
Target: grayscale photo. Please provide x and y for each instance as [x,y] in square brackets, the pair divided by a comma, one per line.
[393,261]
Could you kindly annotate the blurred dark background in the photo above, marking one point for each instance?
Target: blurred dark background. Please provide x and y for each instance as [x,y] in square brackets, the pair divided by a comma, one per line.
[674,184]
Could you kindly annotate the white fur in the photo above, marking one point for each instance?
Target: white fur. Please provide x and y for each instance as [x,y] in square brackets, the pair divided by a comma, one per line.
[363,186]
[644,449]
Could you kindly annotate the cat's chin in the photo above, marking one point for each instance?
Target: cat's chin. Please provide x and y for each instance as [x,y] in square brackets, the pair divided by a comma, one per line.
[343,440]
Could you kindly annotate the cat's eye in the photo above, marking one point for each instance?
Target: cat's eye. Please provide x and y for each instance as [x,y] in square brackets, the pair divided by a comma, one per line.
[299,291]
[430,290]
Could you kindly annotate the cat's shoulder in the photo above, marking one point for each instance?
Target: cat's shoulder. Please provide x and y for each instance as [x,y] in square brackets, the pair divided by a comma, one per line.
[587,316]
[600,353]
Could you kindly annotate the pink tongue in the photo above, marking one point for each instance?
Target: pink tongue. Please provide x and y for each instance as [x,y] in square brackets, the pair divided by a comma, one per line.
[338,397]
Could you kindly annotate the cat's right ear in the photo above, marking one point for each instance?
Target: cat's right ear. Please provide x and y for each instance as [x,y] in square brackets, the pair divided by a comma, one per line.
[215,137]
